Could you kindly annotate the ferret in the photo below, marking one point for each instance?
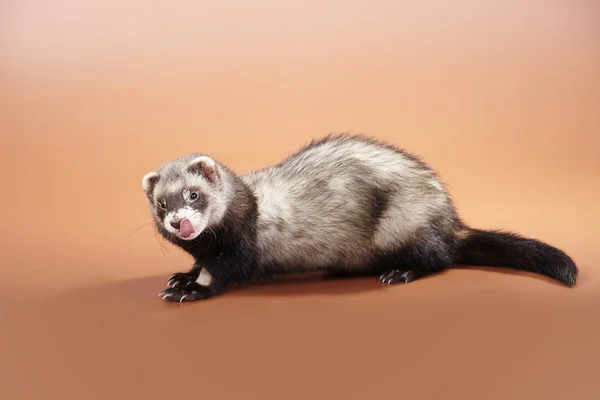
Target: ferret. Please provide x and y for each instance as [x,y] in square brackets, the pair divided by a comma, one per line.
[346,204]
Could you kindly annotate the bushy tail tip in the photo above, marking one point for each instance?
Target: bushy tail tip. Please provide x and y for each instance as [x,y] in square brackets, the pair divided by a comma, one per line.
[509,250]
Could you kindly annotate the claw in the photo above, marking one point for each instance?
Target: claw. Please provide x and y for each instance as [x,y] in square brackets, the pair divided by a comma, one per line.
[183,297]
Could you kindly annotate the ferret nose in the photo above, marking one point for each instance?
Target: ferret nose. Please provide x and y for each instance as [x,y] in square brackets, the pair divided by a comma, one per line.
[176,223]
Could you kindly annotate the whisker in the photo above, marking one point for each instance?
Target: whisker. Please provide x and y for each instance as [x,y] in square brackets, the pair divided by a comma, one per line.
[213,232]
[162,245]
[155,231]
[139,227]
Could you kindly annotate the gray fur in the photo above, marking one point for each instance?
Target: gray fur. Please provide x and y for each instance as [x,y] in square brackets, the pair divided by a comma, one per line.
[316,207]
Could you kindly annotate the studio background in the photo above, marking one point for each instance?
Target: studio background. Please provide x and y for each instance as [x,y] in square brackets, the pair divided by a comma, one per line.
[501,97]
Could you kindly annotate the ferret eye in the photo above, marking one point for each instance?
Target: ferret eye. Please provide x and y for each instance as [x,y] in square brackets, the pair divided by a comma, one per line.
[162,205]
[193,196]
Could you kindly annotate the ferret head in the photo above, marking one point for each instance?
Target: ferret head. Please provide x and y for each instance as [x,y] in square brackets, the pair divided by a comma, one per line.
[187,195]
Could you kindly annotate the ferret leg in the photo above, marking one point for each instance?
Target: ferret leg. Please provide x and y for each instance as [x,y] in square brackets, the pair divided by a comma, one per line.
[196,285]
[415,262]
[182,279]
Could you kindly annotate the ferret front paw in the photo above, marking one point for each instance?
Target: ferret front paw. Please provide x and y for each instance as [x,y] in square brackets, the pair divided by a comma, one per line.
[394,276]
[190,292]
[181,279]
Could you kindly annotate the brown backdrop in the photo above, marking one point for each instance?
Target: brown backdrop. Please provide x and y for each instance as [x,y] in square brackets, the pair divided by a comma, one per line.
[501,97]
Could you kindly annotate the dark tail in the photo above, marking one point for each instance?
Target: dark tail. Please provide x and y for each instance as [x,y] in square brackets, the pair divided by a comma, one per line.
[509,250]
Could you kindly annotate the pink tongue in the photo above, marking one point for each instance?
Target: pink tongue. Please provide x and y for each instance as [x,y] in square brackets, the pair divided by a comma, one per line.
[186,228]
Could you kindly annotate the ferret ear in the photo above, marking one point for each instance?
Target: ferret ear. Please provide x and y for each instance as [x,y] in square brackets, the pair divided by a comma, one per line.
[149,182]
[204,166]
